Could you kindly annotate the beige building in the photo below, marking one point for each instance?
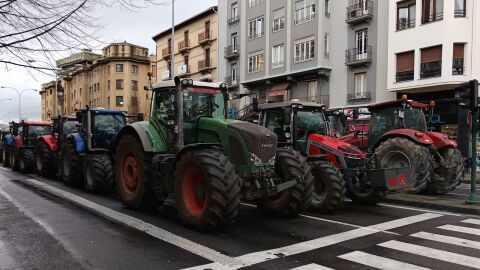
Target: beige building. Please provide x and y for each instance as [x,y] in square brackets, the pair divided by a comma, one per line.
[195,44]
[49,101]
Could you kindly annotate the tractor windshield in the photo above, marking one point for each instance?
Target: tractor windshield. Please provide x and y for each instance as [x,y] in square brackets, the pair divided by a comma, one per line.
[203,102]
[415,119]
[308,122]
[35,131]
[105,129]
[70,127]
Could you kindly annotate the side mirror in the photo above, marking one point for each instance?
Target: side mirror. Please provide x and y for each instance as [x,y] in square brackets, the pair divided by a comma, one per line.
[287,115]
[140,117]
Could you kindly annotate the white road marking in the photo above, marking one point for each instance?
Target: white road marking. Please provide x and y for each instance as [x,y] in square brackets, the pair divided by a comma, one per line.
[138,224]
[447,239]
[379,262]
[472,221]
[312,266]
[267,255]
[460,229]
[420,209]
[436,254]
[3,169]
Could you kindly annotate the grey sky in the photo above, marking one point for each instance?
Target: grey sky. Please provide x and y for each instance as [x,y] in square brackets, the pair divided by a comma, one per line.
[119,25]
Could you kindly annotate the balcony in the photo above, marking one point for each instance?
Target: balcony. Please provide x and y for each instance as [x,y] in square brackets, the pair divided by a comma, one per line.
[255,35]
[204,37]
[233,20]
[359,13]
[405,76]
[184,46]
[359,96]
[458,66]
[231,52]
[205,65]
[405,24]
[460,13]
[358,57]
[431,69]
[166,53]
[231,82]
[432,18]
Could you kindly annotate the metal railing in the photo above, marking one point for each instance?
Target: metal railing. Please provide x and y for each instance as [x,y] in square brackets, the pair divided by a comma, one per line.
[252,3]
[231,51]
[305,18]
[431,69]
[205,64]
[360,11]
[184,45]
[359,95]
[459,13]
[356,55]
[166,52]
[254,35]
[458,66]
[432,18]
[304,58]
[233,20]
[405,24]
[321,99]
[405,76]
[204,36]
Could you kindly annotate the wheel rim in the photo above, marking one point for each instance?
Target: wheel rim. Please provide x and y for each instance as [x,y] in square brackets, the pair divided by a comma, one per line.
[396,159]
[130,174]
[194,191]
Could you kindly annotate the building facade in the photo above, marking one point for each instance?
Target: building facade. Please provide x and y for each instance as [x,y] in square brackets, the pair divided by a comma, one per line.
[195,48]
[50,101]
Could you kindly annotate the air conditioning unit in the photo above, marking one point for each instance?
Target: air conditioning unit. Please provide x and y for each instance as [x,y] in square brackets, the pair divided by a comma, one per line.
[182,69]
[165,74]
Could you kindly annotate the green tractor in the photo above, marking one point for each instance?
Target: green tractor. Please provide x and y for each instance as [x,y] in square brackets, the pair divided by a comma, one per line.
[191,153]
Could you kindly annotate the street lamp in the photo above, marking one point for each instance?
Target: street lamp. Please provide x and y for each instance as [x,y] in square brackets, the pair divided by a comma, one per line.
[19,98]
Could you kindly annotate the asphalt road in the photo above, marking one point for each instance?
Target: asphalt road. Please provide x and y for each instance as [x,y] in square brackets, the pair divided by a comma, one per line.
[45,225]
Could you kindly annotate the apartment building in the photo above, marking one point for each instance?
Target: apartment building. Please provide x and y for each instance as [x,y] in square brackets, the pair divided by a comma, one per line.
[50,101]
[193,50]
[325,51]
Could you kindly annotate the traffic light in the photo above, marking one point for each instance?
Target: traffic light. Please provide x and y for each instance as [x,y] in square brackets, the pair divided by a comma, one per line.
[468,93]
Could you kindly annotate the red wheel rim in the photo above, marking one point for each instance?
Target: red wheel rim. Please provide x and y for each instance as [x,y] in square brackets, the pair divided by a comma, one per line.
[130,174]
[194,192]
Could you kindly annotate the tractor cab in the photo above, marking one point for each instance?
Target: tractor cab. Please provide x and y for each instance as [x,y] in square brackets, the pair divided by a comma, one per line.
[62,126]
[27,132]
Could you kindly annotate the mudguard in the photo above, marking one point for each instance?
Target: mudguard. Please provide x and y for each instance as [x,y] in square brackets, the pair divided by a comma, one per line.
[441,140]
[50,141]
[148,135]
[78,142]
[414,135]
[319,144]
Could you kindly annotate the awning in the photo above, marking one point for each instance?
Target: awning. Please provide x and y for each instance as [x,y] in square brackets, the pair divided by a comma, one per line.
[278,89]
[276,94]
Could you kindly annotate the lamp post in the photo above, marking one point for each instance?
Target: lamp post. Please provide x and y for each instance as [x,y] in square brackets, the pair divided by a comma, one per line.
[20,93]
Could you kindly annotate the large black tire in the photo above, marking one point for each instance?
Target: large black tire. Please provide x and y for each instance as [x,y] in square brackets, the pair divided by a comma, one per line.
[207,189]
[6,155]
[446,179]
[1,154]
[26,160]
[290,165]
[133,175]
[70,167]
[330,189]
[98,174]
[14,158]
[45,164]
[403,151]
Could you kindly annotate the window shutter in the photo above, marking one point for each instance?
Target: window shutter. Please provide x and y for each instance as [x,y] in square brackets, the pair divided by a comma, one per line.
[431,54]
[405,61]
[458,50]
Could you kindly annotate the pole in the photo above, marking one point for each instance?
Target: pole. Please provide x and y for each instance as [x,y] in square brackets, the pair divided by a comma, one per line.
[472,197]
[19,107]
[56,92]
[173,41]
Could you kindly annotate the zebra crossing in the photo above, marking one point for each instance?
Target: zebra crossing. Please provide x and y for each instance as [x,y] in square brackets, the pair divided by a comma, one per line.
[423,250]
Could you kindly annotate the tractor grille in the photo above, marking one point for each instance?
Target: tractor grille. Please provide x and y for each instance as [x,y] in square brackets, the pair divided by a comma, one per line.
[259,140]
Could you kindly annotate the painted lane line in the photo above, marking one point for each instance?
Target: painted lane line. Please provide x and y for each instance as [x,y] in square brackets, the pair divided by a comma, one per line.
[276,253]
[312,266]
[379,262]
[432,253]
[138,224]
[3,169]
[460,229]
[419,209]
[472,221]
[447,239]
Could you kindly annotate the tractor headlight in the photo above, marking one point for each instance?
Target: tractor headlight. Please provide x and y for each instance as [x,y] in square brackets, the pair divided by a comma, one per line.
[256,160]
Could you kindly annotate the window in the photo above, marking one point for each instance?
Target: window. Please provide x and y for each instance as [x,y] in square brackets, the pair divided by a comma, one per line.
[256,27]
[252,3]
[108,102]
[326,45]
[134,85]
[361,51]
[312,90]
[278,56]
[405,66]
[234,74]
[458,59]
[278,20]
[360,85]
[134,69]
[304,13]
[431,62]
[235,11]
[327,8]
[460,8]
[406,12]
[119,67]
[119,101]
[255,63]
[154,70]
[108,84]
[119,84]
[432,10]
[234,42]
[304,50]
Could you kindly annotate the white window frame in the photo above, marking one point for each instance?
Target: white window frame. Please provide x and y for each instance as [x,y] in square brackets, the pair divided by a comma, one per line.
[361,39]
[304,50]
[256,28]
[278,56]
[252,3]
[312,91]
[360,84]
[305,14]
[256,63]
[326,44]
[234,11]
[328,8]
[279,24]
[234,74]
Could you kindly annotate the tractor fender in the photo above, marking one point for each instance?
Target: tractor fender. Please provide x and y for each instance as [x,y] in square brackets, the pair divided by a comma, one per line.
[321,144]
[413,135]
[50,141]
[78,142]
[192,147]
[441,140]
[140,132]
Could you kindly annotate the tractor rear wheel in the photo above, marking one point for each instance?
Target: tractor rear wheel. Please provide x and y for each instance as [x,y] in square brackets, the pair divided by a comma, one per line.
[69,165]
[402,152]
[446,179]
[98,174]
[329,186]
[207,189]
[44,161]
[26,160]
[6,155]
[132,175]
[290,165]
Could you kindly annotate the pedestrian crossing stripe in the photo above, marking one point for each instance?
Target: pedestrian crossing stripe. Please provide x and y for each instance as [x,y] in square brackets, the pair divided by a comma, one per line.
[447,240]
[472,221]
[379,262]
[312,266]
[436,254]
[460,229]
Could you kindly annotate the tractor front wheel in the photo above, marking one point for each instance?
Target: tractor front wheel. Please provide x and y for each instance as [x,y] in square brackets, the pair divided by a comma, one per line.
[26,160]
[207,189]
[69,165]
[329,185]
[290,165]
[44,161]
[447,178]
[98,174]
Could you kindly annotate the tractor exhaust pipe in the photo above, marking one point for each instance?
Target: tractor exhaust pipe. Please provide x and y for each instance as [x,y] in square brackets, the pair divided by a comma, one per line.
[179,144]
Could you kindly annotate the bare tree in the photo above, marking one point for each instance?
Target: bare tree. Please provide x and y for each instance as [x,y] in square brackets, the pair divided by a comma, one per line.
[51,29]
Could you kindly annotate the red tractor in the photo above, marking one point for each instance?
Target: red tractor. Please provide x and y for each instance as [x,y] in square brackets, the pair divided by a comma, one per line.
[46,147]
[397,133]
[22,156]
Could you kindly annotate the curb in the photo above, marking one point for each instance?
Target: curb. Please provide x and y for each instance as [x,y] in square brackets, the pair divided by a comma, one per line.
[434,206]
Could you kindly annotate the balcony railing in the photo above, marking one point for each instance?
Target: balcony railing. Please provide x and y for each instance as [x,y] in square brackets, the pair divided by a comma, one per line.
[460,13]
[233,20]
[304,58]
[458,66]
[358,56]
[360,12]
[432,18]
[321,99]
[184,45]
[204,37]
[231,82]
[405,76]
[304,19]
[431,69]
[167,52]
[254,35]
[405,24]
[205,65]
[359,95]
[231,51]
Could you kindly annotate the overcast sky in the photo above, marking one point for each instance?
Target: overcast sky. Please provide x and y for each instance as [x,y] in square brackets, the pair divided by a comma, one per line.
[120,25]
